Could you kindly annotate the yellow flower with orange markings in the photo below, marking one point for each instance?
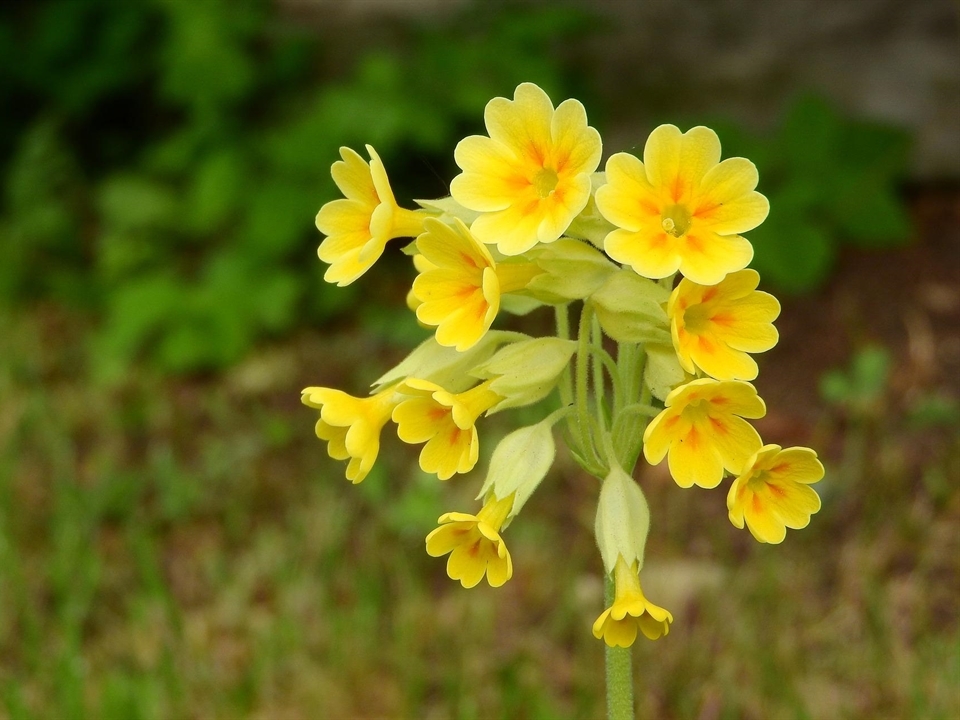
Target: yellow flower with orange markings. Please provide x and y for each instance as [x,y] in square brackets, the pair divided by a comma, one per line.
[714,327]
[351,426]
[681,208]
[474,543]
[459,285]
[702,429]
[773,492]
[359,225]
[531,177]
[631,611]
[445,422]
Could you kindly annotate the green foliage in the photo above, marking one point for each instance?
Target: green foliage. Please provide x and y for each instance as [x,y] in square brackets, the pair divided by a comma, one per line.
[862,388]
[167,179]
[831,181]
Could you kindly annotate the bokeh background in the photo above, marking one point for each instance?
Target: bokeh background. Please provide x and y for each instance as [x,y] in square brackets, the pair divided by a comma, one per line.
[174,542]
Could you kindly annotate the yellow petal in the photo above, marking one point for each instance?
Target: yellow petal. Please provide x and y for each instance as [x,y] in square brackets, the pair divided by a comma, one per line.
[446,537]
[514,230]
[735,440]
[628,200]
[576,147]
[706,257]
[799,465]
[352,176]
[693,460]
[651,252]
[676,163]
[522,124]
[492,175]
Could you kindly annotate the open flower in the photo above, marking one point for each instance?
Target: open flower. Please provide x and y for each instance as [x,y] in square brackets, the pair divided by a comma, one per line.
[359,225]
[351,426]
[459,285]
[445,422]
[714,327]
[681,208]
[773,492]
[474,543]
[703,430]
[631,610]
[531,177]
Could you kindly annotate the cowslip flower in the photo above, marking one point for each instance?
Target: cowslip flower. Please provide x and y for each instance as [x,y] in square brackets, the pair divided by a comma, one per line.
[460,284]
[531,177]
[359,225]
[351,426]
[714,327]
[445,422]
[474,543]
[773,492]
[681,208]
[703,430]
[618,624]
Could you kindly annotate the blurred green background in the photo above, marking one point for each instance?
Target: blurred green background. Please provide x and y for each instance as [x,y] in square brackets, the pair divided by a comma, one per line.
[174,542]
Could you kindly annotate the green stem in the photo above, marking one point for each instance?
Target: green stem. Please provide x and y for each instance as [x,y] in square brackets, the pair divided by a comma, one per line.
[619,672]
[581,386]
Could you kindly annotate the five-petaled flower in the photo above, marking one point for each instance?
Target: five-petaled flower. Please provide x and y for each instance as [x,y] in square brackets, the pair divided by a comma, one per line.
[459,285]
[703,430]
[714,327]
[350,425]
[631,610]
[445,422]
[474,543]
[773,492]
[681,208]
[359,225]
[531,177]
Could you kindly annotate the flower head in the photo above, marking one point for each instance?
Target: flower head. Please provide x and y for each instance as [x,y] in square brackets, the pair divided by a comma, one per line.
[359,225]
[459,285]
[474,543]
[773,492]
[703,430]
[445,422]
[681,208]
[351,426]
[531,177]
[714,327]
[631,610]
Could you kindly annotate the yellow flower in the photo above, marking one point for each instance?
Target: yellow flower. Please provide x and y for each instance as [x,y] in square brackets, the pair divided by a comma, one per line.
[773,493]
[703,432]
[531,177]
[445,422]
[681,208]
[351,426]
[714,327]
[359,225]
[460,284]
[474,543]
[618,624]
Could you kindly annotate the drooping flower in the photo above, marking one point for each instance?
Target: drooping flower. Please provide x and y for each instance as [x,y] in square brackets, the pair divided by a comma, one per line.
[714,327]
[773,492]
[703,430]
[681,208]
[474,543]
[445,422]
[351,426]
[531,177]
[460,284]
[618,624]
[359,225]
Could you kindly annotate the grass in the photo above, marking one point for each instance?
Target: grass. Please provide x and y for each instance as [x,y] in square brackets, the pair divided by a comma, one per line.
[184,549]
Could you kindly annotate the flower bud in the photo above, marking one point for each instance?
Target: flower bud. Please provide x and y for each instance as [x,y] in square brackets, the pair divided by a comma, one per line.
[526,371]
[572,270]
[630,309]
[623,520]
[662,371]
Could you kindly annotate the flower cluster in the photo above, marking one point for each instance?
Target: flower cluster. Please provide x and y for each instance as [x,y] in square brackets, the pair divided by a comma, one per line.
[531,222]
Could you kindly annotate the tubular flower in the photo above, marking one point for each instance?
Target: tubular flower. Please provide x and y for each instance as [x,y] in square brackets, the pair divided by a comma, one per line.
[618,624]
[351,426]
[460,284]
[359,225]
[531,177]
[703,429]
[445,422]
[714,327]
[474,543]
[681,208]
[773,493]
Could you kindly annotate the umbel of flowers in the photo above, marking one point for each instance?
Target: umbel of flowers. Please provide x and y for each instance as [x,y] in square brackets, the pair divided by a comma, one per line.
[650,252]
